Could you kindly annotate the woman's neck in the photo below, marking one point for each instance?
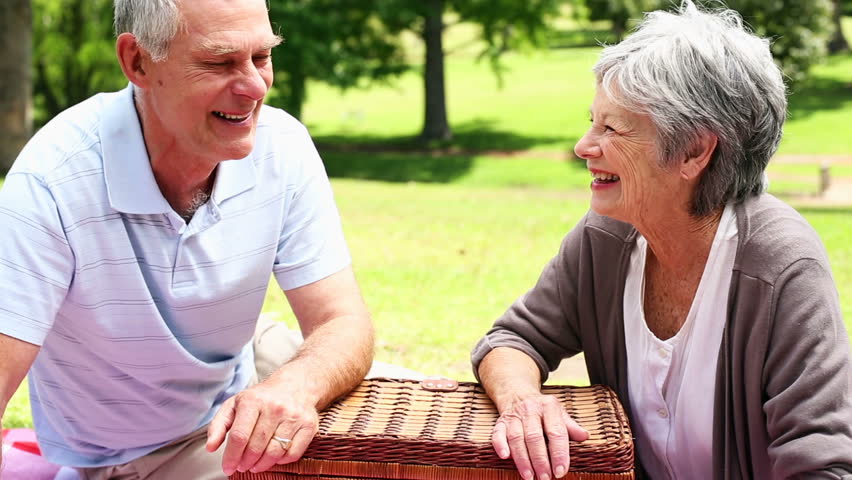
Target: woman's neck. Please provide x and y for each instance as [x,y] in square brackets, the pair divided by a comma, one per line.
[681,242]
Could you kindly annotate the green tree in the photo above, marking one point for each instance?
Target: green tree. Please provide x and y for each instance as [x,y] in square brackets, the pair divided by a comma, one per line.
[339,42]
[799,30]
[838,41]
[505,24]
[74,53]
[15,117]
[620,12]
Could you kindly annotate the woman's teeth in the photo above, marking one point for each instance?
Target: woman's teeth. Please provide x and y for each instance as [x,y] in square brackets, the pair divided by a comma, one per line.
[604,177]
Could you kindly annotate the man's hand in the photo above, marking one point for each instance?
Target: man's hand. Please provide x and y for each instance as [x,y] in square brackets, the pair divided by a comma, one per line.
[534,431]
[335,356]
[251,419]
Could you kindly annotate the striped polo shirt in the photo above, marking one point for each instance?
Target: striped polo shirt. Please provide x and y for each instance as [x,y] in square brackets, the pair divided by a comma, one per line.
[145,321]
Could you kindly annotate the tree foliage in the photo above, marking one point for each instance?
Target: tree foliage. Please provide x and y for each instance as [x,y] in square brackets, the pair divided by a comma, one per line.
[339,42]
[838,42]
[73,53]
[621,12]
[504,25]
[799,30]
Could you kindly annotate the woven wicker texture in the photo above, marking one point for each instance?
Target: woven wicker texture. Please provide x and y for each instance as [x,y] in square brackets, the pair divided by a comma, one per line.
[394,429]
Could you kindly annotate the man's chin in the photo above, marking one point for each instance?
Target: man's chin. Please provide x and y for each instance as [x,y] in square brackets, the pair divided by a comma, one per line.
[237,150]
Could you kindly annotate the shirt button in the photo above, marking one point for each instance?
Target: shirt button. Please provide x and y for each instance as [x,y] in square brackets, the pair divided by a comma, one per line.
[663,352]
[662,413]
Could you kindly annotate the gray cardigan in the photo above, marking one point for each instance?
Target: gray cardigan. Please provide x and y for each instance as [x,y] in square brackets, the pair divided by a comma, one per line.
[784,382]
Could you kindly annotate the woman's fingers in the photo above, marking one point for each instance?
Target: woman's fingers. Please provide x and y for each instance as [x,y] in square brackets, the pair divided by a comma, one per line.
[516,437]
[536,432]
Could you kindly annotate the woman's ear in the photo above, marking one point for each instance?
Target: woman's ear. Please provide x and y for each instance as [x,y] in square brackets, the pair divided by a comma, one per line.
[699,156]
[131,58]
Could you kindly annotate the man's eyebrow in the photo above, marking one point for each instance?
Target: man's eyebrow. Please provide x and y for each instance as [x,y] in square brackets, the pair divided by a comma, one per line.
[217,48]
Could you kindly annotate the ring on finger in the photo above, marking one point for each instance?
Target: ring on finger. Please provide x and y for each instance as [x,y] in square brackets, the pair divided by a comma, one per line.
[284,442]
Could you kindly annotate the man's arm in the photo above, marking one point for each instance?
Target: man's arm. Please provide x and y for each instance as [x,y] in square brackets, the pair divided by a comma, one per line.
[16,357]
[336,355]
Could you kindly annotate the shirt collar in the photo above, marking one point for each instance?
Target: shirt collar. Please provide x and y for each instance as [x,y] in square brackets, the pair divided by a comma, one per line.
[130,182]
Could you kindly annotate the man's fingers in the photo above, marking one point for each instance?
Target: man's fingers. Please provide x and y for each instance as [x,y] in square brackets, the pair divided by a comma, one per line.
[301,441]
[219,425]
[239,435]
[258,444]
[575,431]
[498,440]
[275,452]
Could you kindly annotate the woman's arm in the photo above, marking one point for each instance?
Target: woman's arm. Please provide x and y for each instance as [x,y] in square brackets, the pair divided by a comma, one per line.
[533,428]
[808,377]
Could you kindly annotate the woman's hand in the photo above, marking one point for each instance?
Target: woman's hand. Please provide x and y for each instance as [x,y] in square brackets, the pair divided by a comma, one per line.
[535,430]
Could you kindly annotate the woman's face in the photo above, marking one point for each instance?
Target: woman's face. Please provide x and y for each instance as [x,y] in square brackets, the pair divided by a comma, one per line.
[621,154]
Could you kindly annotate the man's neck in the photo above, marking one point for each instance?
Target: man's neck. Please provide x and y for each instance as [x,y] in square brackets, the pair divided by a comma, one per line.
[183,178]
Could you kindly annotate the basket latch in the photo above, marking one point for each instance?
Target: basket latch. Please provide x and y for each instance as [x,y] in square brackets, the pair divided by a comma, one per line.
[439,384]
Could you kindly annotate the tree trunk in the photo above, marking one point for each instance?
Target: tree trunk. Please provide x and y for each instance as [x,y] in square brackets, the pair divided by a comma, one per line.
[838,42]
[435,125]
[15,97]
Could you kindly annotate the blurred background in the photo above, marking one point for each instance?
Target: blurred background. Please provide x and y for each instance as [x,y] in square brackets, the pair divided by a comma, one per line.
[448,128]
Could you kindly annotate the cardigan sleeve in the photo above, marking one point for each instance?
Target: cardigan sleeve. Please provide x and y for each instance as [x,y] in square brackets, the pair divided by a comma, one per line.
[543,322]
[807,377]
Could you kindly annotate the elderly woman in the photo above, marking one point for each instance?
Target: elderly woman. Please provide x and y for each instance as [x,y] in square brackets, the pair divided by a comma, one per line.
[705,303]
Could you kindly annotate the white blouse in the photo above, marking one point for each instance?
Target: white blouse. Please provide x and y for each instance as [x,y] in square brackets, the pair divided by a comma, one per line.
[672,382]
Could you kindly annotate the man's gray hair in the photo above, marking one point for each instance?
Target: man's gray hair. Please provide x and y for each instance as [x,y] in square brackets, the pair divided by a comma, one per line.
[699,71]
[154,23]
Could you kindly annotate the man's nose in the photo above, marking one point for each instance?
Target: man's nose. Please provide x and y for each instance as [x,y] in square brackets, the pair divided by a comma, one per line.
[252,84]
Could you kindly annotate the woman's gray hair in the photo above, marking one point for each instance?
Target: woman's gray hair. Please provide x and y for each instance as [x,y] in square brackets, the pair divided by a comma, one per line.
[154,23]
[701,71]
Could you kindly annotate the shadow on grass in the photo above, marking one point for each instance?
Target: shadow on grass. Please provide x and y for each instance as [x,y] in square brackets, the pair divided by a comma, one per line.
[478,134]
[820,93]
[396,166]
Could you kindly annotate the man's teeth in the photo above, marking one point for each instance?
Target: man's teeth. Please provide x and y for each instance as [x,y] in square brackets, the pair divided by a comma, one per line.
[230,117]
[605,177]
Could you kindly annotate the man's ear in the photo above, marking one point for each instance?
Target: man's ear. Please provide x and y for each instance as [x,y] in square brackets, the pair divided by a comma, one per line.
[131,58]
[699,156]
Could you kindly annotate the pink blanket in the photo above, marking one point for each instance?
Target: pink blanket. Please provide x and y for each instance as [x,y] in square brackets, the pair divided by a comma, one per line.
[22,459]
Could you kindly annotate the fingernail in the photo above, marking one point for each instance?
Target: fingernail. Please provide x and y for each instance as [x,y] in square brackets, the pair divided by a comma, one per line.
[545,477]
[560,471]
[527,474]
[228,471]
[503,453]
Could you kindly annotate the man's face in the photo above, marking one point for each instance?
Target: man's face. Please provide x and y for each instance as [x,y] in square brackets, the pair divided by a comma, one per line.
[205,98]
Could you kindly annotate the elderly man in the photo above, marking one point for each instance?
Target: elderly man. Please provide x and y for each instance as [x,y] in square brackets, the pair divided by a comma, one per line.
[140,229]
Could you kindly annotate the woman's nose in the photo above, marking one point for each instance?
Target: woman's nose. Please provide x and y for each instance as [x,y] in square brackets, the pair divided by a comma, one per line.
[587,147]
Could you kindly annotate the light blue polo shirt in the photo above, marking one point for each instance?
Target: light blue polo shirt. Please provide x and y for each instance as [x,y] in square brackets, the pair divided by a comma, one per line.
[145,322]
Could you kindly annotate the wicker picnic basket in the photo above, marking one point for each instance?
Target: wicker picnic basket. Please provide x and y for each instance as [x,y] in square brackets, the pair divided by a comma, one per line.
[441,430]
